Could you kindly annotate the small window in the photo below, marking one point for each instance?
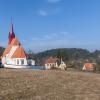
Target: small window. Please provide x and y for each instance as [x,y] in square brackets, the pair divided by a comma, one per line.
[17,62]
[22,61]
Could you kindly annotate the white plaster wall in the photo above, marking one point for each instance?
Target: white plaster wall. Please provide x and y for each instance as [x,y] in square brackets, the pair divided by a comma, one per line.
[62,66]
[15,61]
[84,68]
[3,60]
[47,66]
[15,66]
[31,62]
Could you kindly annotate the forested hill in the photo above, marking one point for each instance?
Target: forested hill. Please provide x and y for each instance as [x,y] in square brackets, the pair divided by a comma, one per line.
[65,53]
[68,54]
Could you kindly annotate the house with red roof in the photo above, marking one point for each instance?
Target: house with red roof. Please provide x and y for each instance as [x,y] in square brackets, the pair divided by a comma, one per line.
[51,62]
[88,66]
[14,55]
[55,63]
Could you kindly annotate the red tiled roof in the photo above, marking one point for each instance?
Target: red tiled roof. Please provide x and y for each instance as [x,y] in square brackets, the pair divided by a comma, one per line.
[19,53]
[51,60]
[89,65]
[13,43]
[7,50]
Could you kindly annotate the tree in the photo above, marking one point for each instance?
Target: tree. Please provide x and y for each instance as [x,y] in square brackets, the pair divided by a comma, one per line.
[31,55]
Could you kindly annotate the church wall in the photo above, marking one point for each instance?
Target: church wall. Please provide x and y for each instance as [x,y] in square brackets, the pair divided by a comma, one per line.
[20,61]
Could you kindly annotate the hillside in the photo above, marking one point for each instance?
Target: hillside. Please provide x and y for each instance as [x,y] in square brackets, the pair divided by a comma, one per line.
[68,54]
[22,84]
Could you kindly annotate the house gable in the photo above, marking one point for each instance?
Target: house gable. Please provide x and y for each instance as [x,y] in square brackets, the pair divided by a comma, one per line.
[19,53]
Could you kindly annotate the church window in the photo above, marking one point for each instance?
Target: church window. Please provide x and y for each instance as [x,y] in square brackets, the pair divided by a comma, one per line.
[17,62]
[22,61]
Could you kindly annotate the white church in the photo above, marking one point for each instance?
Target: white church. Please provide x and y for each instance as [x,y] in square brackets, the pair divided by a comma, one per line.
[14,55]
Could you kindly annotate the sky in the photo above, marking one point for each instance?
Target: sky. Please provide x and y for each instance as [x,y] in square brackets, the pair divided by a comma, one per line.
[45,24]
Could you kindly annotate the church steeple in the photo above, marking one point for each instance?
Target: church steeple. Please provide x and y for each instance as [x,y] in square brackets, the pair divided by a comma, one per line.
[11,32]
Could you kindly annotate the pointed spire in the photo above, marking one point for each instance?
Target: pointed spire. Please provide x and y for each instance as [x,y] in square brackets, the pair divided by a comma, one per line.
[11,32]
[11,27]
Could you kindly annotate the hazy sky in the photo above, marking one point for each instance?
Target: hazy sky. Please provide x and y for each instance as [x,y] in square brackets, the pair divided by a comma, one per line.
[47,24]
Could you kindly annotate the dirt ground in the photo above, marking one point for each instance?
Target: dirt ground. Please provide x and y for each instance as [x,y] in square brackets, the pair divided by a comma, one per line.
[25,84]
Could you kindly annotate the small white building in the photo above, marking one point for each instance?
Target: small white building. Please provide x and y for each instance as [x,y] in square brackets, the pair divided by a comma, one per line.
[88,66]
[51,62]
[55,63]
[62,65]
[14,55]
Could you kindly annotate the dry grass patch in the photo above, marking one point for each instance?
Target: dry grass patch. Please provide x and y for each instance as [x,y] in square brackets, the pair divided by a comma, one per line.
[25,84]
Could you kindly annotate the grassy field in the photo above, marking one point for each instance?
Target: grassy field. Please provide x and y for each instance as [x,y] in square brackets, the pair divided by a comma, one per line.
[23,84]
